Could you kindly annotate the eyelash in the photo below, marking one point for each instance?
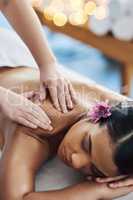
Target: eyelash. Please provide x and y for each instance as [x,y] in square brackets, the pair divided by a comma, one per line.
[96,172]
[87,147]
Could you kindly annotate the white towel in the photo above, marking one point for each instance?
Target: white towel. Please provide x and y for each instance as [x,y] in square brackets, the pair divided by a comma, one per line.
[13,52]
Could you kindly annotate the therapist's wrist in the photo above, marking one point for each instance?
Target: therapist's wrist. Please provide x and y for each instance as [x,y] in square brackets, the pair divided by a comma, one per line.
[2,95]
[49,66]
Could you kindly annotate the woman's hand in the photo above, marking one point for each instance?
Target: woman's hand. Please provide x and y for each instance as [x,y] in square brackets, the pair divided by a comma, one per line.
[19,109]
[97,191]
[61,90]
[116,182]
[108,193]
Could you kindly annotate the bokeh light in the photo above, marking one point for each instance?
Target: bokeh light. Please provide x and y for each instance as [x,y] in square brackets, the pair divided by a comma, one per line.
[78,18]
[90,7]
[76,12]
[76,4]
[60,19]
[49,12]
[101,12]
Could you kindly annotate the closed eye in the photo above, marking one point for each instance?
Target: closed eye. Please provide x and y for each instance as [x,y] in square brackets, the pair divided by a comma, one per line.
[96,172]
[87,144]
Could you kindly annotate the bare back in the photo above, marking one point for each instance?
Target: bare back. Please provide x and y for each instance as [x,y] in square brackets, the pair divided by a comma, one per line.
[22,79]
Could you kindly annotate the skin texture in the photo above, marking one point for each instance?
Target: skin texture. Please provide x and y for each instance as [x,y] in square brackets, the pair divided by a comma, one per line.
[24,149]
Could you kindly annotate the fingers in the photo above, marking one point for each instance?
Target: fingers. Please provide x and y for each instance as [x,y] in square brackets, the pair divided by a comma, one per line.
[110,179]
[123,183]
[73,93]
[33,113]
[40,114]
[26,123]
[54,96]
[117,182]
[68,97]
[61,92]
[62,95]
[119,192]
[29,94]
[36,122]
[42,93]
[62,99]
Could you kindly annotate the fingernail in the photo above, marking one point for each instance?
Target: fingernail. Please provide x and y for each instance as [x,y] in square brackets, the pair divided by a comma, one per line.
[70,106]
[49,122]
[98,179]
[50,128]
[112,185]
[59,109]
[65,111]
[89,178]
[34,127]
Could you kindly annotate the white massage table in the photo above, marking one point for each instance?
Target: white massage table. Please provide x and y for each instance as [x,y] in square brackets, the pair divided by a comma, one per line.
[55,174]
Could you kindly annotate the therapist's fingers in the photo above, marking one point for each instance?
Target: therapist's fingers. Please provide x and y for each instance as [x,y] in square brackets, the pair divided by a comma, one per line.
[26,123]
[68,97]
[73,93]
[40,123]
[42,92]
[54,95]
[40,114]
[61,97]
[29,94]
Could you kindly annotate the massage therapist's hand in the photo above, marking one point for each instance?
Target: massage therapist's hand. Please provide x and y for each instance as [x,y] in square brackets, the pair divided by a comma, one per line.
[61,90]
[19,109]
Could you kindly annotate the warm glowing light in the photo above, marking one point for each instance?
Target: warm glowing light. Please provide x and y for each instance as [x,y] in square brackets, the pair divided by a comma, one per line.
[75,4]
[101,12]
[58,5]
[102,2]
[90,7]
[60,19]
[78,18]
[76,11]
[49,13]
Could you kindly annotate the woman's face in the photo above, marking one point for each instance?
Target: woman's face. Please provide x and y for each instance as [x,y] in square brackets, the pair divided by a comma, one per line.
[88,148]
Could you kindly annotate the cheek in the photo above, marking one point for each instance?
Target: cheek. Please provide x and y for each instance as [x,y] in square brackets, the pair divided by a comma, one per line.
[80,160]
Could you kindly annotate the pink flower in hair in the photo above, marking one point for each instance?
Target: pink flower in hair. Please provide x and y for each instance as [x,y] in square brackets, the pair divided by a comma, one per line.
[100,110]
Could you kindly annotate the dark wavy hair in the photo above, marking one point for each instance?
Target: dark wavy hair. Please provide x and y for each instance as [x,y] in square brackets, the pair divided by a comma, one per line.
[120,126]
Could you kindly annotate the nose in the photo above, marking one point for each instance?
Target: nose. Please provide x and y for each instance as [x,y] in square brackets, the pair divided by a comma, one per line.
[80,161]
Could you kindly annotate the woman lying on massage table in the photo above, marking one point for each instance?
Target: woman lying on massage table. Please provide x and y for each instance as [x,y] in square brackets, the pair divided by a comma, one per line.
[96,140]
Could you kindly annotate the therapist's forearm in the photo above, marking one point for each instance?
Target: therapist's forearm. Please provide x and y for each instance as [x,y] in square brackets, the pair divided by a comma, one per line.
[24,20]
